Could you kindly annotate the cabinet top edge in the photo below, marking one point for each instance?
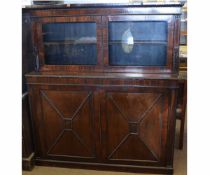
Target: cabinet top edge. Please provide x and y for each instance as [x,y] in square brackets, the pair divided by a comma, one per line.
[181,75]
[104,5]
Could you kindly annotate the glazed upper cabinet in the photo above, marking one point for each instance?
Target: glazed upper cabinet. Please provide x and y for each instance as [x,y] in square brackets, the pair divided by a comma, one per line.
[117,43]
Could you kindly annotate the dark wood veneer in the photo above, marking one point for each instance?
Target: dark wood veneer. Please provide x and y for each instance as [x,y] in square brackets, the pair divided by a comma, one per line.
[125,110]
[100,116]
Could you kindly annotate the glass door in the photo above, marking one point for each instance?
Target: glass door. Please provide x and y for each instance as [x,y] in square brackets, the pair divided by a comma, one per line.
[68,42]
[138,42]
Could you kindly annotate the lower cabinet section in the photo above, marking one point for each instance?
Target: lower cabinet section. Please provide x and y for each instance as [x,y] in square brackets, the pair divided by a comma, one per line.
[114,128]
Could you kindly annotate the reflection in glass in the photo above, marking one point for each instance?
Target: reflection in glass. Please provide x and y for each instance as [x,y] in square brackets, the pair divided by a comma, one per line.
[127,41]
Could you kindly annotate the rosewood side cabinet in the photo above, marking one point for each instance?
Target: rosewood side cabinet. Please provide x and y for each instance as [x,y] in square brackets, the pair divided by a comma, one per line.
[103,95]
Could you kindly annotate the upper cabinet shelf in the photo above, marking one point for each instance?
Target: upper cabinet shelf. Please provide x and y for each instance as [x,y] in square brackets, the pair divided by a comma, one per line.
[79,41]
[127,39]
[137,42]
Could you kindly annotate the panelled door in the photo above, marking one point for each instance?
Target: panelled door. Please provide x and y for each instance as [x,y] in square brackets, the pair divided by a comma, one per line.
[65,123]
[134,127]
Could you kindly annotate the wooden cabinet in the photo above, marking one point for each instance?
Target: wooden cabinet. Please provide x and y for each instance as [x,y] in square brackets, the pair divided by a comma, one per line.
[92,120]
[104,92]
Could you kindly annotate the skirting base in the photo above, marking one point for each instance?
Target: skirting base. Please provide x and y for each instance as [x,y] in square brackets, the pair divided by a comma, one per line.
[28,163]
[102,166]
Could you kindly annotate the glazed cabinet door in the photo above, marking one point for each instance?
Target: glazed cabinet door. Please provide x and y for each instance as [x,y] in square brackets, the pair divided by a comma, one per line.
[135,124]
[138,43]
[64,123]
[68,43]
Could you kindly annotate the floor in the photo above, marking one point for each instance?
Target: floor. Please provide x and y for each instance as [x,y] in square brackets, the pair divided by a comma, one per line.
[180,164]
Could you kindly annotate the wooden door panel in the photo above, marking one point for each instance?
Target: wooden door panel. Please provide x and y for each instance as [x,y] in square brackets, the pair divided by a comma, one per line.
[150,128]
[132,106]
[68,123]
[135,128]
